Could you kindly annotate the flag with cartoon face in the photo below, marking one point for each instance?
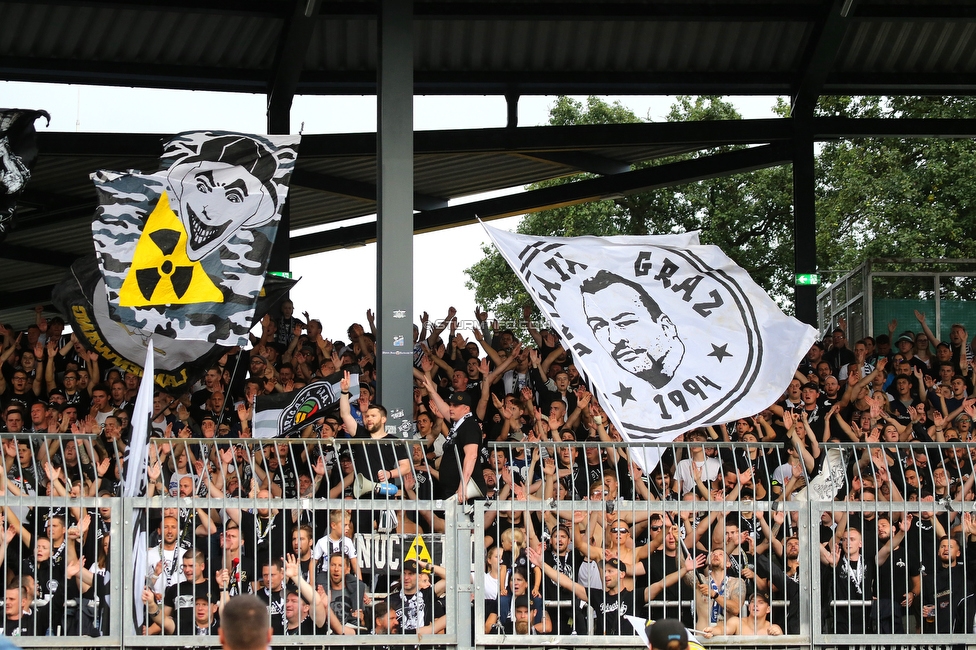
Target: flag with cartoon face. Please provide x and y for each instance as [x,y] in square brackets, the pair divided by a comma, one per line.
[18,151]
[183,251]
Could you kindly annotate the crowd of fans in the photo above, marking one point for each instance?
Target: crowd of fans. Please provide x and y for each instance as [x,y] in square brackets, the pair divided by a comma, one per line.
[573,539]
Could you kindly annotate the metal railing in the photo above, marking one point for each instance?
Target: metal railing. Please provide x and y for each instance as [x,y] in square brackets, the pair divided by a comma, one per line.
[596,513]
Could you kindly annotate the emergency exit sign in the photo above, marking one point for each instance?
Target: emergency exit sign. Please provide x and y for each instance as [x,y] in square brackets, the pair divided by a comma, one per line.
[807,278]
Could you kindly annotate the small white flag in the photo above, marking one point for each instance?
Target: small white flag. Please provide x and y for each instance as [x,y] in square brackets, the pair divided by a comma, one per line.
[135,479]
[672,334]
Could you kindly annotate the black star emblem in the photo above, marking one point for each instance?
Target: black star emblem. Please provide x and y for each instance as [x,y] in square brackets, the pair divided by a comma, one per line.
[624,394]
[719,352]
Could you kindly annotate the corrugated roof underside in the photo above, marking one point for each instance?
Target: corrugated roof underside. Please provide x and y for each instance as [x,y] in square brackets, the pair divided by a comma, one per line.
[563,45]
[150,34]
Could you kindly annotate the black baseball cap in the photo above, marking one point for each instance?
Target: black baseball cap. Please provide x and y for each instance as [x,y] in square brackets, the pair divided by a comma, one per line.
[460,398]
[663,632]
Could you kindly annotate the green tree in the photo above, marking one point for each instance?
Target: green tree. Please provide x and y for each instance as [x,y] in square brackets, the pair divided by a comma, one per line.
[747,215]
[896,197]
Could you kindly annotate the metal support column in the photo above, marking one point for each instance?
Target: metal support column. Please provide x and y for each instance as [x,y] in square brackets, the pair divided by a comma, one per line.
[804,219]
[511,105]
[293,44]
[279,123]
[394,220]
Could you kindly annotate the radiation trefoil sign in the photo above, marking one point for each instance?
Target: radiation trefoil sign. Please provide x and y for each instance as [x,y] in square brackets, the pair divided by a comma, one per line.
[183,251]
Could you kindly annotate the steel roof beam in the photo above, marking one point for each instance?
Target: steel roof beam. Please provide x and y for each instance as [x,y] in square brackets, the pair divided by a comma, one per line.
[771,11]
[356,189]
[582,161]
[820,55]
[18,253]
[26,297]
[696,12]
[534,140]
[426,82]
[642,180]
[293,46]
[255,8]
[831,128]
[526,139]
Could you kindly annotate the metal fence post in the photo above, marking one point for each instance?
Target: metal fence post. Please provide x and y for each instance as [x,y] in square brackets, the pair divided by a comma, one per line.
[116,559]
[126,619]
[810,626]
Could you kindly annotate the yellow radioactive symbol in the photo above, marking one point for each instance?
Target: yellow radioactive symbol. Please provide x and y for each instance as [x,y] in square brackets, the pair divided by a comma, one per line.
[418,551]
[161,273]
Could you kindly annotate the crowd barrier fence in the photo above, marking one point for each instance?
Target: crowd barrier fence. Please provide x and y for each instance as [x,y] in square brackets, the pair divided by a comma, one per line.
[815,610]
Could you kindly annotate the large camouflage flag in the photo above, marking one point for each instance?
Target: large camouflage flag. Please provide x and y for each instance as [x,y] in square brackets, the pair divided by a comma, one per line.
[18,151]
[81,297]
[183,251]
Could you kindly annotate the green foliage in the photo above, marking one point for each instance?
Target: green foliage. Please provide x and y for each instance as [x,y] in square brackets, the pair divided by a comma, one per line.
[895,197]
[747,215]
[888,197]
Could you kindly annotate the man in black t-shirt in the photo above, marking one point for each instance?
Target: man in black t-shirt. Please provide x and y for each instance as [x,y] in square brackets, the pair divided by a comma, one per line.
[461,461]
[17,622]
[381,463]
[567,562]
[273,592]
[179,599]
[418,611]
[898,580]
[611,604]
[660,564]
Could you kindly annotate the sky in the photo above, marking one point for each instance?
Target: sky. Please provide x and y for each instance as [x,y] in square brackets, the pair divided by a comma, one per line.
[440,258]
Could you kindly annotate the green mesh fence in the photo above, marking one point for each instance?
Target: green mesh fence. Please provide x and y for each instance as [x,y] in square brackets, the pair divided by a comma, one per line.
[903,310]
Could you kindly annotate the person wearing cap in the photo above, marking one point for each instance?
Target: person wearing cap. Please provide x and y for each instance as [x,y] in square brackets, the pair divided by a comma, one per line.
[666,634]
[177,613]
[523,618]
[417,610]
[205,622]
[461,461]
[755,622]
[905,344]
[244,624]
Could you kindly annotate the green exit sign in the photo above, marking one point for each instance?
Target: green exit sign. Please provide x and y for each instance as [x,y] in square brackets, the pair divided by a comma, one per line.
[287,274]
[807,278]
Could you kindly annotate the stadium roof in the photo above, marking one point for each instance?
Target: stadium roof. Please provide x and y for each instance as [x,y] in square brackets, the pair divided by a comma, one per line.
[730,47]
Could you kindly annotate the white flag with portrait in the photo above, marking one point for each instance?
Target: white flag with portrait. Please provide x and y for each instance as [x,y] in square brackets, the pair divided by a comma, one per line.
[671,334]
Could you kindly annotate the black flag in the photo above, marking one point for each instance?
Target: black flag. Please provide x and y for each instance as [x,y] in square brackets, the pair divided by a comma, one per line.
[18,151]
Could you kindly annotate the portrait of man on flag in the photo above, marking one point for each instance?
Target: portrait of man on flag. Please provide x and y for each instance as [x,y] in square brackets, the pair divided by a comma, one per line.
[672,334]
[631,327]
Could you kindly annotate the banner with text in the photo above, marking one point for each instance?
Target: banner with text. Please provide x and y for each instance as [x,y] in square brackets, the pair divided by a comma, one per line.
[672,334]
